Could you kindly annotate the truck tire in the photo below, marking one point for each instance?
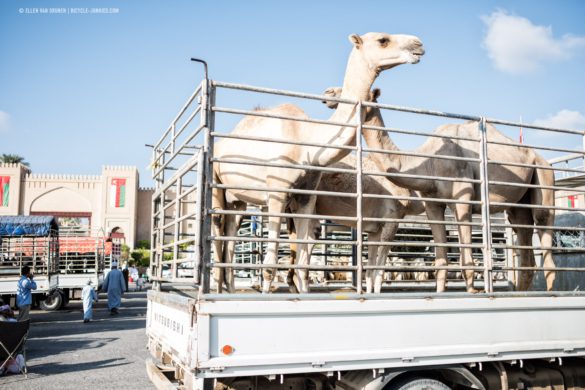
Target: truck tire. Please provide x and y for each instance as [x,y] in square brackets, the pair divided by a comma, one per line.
[418,384]
[52,302]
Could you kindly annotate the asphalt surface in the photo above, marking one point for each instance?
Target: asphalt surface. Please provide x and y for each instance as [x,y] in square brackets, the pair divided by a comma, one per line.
[107,353]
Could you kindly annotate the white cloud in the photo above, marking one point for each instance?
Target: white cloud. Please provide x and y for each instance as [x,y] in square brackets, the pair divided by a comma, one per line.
[516,45]
[564,119]
[4,122]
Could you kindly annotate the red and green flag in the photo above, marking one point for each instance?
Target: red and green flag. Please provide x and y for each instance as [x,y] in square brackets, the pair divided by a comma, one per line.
[118,193]
[572,201]
[4,190]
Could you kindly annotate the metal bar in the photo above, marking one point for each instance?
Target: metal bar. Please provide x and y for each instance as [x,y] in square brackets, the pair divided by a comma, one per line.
[423,199]
[519,145]
[419,133]
[208,101]
[424,112]
[285,190]
[546,167]
[407,153]
[181,111]
[288,166]
[359,199]
[280,141]
[485,212]
[198,219]
[522,185]
[527,126]
[282,215]
[283,117]
[345,242]
[529,206]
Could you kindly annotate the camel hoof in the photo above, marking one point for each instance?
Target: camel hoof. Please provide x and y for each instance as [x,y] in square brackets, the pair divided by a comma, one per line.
[266,287]
[473,290]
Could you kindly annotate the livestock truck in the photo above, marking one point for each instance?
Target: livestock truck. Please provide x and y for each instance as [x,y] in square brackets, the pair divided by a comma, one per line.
[29,241]
[84,255]
[62,260]
[337,335]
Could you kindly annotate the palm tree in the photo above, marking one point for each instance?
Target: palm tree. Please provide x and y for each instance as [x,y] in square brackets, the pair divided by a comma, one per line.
[13,159]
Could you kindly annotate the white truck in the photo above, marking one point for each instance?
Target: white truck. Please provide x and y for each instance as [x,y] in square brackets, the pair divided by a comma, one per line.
[337,336]
[29,241]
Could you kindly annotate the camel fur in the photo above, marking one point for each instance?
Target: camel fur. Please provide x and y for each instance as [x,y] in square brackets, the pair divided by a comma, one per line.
[511,170]
[371,54]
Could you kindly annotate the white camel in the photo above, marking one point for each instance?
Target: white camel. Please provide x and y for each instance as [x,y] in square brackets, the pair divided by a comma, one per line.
[372,53]
[514,166]
[378,208]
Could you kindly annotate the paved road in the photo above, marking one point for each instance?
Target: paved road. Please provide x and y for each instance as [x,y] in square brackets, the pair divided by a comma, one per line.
[108,353]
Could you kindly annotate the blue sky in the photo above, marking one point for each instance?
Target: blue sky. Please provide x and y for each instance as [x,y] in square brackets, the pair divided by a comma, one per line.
[78,91]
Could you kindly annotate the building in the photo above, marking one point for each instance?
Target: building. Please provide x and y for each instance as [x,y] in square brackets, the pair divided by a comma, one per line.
[112,202]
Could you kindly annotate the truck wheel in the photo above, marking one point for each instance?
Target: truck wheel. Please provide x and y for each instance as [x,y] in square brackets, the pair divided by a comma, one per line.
[418,384]
[52,302]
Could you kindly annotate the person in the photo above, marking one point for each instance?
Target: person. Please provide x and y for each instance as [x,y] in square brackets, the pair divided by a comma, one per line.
[114,286]
[139,283]
[133,273]
[6,314]
[125,273]
[88,296]
[23,293]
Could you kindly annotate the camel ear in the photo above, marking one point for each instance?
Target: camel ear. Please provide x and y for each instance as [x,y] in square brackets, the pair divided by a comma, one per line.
[333,92]
[356,40]
[376,94]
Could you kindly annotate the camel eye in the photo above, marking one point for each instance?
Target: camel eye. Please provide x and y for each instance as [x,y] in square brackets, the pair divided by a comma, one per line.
[384,42]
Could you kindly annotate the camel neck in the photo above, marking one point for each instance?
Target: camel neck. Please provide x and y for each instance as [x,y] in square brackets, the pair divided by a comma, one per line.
[393,163]
[358,80]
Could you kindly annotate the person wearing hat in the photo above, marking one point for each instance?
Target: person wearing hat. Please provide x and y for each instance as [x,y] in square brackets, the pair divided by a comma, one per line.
[114,286]
[88,296]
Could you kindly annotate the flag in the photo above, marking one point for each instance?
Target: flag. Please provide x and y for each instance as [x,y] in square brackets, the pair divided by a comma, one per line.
[521,137]
[118,193]
[4,190]
[572,201]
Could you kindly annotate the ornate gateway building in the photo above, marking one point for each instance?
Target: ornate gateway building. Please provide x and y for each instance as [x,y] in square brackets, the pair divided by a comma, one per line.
[111,202]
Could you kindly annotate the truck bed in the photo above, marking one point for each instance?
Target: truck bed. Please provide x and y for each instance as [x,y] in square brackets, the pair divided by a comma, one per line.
[283,334]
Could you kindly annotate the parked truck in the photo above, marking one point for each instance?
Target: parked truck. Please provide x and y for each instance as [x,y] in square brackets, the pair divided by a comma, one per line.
[84,256]
[29,241]
[337,336]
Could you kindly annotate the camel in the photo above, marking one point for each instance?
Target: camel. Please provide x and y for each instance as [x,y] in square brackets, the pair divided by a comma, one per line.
[371,54]
[371,207]
[515,169]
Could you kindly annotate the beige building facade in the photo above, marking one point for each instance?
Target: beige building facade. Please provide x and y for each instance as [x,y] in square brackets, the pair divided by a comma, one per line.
[111,202]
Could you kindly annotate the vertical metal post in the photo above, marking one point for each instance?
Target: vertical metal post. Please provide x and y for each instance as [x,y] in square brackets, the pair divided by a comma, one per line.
[177,230]
[207,102]
[359,189]
[485,207]
[198,218]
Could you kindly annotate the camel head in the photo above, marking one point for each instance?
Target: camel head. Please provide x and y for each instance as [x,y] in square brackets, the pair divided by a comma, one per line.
[371,112]
[381,51]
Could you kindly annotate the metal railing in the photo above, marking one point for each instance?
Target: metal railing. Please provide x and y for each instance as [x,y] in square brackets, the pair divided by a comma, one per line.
[184,163]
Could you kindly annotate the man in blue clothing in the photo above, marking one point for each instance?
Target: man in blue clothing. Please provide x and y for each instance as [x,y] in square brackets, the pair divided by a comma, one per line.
[23,293]
[114,285]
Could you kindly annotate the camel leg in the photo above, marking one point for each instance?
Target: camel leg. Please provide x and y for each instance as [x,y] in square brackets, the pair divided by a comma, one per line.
[520,216]
[276,204]
[463,214]
[232,225]
[386,234]
[544,217]
[217,230]
[305,231]
[292,234]
[436,212]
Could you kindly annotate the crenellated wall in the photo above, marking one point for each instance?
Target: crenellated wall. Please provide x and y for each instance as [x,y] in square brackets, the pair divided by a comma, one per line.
[112,200]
